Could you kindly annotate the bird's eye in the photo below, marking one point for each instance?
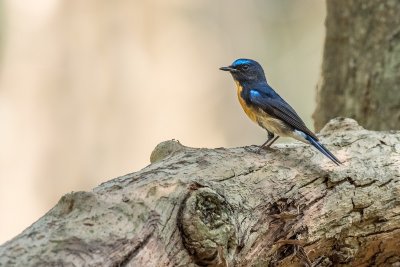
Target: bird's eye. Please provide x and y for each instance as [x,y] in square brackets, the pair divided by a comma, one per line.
[245,67]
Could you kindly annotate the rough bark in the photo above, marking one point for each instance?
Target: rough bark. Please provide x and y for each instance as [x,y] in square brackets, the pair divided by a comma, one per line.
[288,206]
[361,64]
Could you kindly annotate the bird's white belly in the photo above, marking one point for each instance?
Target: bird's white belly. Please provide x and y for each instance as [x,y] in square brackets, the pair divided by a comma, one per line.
[273,125]
[278,127]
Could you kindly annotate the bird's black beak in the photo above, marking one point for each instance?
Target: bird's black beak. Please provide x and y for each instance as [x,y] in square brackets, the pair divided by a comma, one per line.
[229,68]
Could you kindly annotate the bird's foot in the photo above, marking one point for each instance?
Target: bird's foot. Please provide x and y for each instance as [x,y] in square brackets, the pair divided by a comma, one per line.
[253,149]
[261,148]
[257,149]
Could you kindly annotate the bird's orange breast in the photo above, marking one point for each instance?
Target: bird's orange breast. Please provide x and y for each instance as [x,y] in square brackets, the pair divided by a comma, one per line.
[250,111]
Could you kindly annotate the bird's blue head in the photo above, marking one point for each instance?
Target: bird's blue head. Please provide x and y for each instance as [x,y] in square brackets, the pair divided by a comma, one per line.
[246,70]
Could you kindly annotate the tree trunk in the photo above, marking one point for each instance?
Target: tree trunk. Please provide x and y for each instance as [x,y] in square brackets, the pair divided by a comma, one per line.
[361,64]
[288,206]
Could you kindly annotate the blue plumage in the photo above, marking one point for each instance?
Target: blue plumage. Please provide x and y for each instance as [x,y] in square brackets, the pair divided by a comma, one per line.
[241,61]
[323,149]
[265,107]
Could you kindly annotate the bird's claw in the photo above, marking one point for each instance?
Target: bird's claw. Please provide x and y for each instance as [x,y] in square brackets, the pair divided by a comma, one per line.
[256,150]
[260,148]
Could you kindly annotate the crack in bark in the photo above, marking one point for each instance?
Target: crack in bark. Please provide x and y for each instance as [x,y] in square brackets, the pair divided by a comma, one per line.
[252,170]
[381,232]
[310,182]
[376,233]
[352,142]
[375,256]
[394,34]
[316,200]
[392,260]
[360,210]
[385,183]
[170,216]
[126,251]
[312,242]
[291,188]
[350,180]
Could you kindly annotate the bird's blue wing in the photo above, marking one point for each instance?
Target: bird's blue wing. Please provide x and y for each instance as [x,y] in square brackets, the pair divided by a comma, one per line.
[276,107]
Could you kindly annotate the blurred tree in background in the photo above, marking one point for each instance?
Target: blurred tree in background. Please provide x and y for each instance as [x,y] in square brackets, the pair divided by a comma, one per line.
[361,64]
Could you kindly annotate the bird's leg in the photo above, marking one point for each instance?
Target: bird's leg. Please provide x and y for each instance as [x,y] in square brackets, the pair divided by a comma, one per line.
[271,139]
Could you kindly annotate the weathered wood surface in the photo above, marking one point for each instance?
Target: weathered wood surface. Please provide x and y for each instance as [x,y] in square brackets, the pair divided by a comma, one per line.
[288,206]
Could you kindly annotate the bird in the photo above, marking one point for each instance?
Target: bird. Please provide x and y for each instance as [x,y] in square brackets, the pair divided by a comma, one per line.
[268,109]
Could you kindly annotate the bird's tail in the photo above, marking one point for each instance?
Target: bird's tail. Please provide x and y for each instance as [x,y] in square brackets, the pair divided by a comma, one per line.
[323,149]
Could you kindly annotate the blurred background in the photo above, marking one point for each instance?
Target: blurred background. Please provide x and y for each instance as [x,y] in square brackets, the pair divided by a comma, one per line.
[89,88]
